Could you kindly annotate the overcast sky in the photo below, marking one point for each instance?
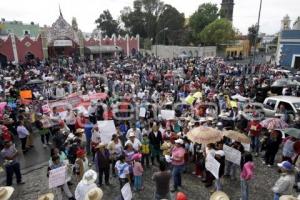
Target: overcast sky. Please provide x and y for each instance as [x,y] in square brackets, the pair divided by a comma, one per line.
[86,11]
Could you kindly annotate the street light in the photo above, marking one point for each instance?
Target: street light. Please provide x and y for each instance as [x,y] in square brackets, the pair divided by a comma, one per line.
[164,29]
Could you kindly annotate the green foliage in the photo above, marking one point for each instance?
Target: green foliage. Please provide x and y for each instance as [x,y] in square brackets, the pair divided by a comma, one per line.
[252,32]
[217,32]
[206,14]
[107,24]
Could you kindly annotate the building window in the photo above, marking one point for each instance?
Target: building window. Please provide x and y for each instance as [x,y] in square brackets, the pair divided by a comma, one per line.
[26,32]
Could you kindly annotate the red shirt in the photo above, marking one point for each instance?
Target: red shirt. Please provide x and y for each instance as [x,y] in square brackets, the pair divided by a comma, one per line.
[254,128]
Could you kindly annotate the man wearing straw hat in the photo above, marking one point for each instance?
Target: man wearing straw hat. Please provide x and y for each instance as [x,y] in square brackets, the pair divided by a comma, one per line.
[94,194]
[48,196]
[86,184]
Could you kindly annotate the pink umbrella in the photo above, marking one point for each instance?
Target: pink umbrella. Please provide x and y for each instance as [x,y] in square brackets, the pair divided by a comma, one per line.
[274,123]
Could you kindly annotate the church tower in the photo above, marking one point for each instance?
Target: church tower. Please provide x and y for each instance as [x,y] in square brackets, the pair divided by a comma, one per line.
[227,9]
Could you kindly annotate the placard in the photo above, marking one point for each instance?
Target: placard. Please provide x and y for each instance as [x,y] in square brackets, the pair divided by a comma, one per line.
[167,114]
[107,129]
[142,112]
[26,94]
[232,154]
[126,192]
[190,100]
[246,147]
[212,165]
[57,177]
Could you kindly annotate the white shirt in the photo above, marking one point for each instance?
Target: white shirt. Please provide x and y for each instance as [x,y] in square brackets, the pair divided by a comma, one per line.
[60,92]
[136,144]
[123,169]
[70,118]
[96,137]
[82,189]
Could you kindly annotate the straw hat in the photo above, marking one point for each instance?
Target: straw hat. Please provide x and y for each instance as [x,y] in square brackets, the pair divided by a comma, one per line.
[79,130]
[101,145]
[6,192]
[89,177]
[48,196]
[219,196]
[94,194]
[287,197]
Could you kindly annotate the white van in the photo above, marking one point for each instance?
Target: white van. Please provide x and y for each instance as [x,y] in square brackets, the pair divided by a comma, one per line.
[291,104]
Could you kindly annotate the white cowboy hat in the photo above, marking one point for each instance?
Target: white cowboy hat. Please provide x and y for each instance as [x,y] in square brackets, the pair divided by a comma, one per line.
[179,141]
[6,192]
[219,196]
[89,177]
[94,194]
[131,134]
[48,196]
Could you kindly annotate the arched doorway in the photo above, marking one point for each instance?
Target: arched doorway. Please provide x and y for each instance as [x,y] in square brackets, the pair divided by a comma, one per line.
[29,56]
[3,60]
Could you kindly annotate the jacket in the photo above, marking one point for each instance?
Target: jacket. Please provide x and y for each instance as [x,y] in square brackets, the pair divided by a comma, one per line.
[284,185]
[247,171]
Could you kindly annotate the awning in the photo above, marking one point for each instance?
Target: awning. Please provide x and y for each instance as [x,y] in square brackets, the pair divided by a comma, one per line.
[102,49]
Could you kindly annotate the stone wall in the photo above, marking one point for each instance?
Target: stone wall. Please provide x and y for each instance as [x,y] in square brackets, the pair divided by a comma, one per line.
[165,51]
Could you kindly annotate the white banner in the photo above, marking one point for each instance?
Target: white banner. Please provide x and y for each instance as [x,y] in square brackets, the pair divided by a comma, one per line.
[62,43]
[232,154]
[212,165]
[107,129]
[142,112]
[57,177]
[167,114]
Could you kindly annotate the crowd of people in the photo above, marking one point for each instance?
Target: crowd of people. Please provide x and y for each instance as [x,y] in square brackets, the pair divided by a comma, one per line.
[134,91]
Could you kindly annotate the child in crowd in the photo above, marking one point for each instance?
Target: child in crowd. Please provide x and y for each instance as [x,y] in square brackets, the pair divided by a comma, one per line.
[137,172]
[145,150]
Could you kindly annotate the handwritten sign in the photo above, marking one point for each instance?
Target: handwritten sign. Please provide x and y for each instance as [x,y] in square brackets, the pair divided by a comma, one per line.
[232,154]
[212,165]
[57,177]
[107,129]
[142,112]
[168,114]
[126,192]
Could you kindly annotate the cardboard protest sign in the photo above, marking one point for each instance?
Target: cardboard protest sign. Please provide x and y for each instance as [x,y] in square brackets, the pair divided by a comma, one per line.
[126,192]
[107,129]
[57,177]
[167,114]
[26,94]
[212,165]
[232,154]
[142,112]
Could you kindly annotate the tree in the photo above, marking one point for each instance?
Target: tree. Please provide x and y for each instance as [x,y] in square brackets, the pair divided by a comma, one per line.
[206,14]
[174,20]
[217,32]
[107,24]
[252,33]
[74,24]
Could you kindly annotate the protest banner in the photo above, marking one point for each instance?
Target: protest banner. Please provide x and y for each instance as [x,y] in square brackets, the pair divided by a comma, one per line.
[142,112]
[232,154]
[26,94]
[167,114]
[107,129]
[212,165]
[126,192]
[57,177]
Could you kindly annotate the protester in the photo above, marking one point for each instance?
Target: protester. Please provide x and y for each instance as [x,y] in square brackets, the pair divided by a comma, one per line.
[177,163]
[162,181]
[137,172]
[10,153]
[102,163]
[86,184]
[115,150]
[284,185]
[246,175]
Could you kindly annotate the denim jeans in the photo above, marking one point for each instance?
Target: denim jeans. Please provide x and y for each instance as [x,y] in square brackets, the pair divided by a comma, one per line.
[176,174]
[276,196]
[218,185]
[244,189]
[137,182]
[255,144]
[230,169]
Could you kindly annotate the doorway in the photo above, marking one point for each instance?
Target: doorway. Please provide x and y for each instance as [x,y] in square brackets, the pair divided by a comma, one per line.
[296,61]
[3,60]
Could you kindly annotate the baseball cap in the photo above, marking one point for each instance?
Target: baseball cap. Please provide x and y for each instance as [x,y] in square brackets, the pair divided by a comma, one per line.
[285,165]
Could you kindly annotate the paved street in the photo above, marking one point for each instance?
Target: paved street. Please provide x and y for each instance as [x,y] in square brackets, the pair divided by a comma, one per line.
[37,183]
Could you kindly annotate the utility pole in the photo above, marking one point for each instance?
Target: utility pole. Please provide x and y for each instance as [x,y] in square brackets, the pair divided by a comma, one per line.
[256,35]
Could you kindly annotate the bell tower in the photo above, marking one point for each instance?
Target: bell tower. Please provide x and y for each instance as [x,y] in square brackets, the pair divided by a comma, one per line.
[227,9]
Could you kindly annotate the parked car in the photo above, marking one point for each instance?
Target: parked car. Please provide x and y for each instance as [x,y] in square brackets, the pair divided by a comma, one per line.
[291,104]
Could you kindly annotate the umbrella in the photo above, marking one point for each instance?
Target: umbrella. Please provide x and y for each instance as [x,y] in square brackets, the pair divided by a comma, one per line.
[273,123]
[237,136]
[204,135]
[35,81]
[294,132]
[98,96]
